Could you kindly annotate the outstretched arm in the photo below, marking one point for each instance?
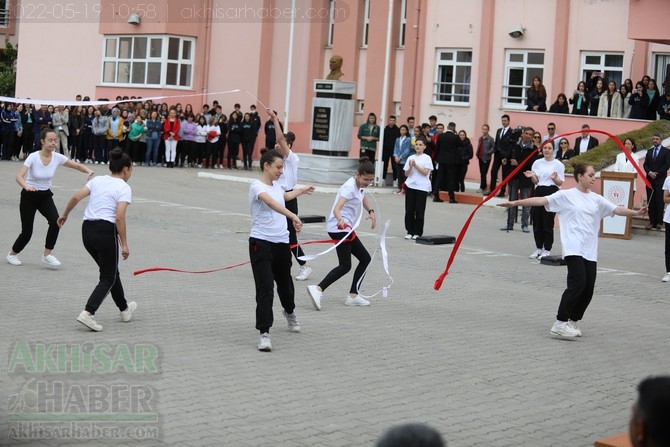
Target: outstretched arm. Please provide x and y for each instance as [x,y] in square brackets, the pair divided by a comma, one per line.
[622,211]
[281,141]
[76,198]
[532,201]
[277,207]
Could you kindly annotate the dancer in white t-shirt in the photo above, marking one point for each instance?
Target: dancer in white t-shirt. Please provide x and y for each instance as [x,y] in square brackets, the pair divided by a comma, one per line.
[36,195]
[343,215]
[103,230]
[579,212]
[417,169]
[269,249]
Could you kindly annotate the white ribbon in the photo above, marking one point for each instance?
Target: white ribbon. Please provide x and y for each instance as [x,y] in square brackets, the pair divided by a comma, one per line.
[69,102]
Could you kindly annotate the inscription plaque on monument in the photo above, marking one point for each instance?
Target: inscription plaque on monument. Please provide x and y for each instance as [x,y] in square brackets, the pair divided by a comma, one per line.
[321,124]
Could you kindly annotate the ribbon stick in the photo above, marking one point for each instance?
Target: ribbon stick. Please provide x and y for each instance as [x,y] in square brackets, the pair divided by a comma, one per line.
[257,100]
[466,225]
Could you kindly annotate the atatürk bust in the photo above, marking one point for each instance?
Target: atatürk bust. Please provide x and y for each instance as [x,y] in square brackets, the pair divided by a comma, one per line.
[335,68]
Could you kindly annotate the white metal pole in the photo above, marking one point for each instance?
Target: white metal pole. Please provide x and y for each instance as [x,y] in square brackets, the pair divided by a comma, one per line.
[289,69]
[380,177]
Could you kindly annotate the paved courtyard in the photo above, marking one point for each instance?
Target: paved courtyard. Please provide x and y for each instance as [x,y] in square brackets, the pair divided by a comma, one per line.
[474,360]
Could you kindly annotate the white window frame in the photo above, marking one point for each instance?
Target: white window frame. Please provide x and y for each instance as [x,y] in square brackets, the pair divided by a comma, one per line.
[611,71]
[331,24]
[529,71]
[4,13]
[182,63]
[658,70]
[441,90]
[402,30]
[366,23]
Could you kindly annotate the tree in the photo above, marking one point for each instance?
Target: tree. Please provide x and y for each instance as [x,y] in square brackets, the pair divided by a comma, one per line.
[8,57]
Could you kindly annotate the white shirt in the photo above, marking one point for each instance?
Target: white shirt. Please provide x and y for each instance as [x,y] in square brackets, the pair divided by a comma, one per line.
[106,193]
[39,176]
[417,180]
[666,187]
[544,169]
[351,208]
[267,224]
[579,216]
[584,145]
[289,177]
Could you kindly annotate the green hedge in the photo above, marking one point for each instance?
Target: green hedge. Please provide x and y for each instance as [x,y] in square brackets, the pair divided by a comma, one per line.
[605,154]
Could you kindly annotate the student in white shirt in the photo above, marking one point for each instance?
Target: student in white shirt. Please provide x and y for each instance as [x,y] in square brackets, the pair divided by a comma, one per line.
[417,170]
[348,201]
[547,174]
[269,249]
[103,230]
[35,177]
[579,212]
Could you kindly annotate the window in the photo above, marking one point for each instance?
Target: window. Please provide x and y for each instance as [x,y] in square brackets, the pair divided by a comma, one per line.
[360,105]
[148,61]
[4,14]
[331,24]
[520,68]
[403,23]
[366,23]
[609,63]
[452,78]
[661,71]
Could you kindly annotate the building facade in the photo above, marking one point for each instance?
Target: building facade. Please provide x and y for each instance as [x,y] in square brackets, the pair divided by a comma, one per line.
[465,62]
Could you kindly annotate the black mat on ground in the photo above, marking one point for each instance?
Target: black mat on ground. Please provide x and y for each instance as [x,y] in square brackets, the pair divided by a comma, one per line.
[312,218]
[552,260]
[435,240]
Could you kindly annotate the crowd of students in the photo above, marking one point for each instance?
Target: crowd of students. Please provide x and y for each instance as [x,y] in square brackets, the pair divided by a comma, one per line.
[152,134]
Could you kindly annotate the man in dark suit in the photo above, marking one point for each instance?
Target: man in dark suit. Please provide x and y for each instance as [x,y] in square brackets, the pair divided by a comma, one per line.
[501,152]
[447,159]
[656,164]
[586,142]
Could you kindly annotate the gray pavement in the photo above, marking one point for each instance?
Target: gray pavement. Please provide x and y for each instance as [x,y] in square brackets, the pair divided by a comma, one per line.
[474,360]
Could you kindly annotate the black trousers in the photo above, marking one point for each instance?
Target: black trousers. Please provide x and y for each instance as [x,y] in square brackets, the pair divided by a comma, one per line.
[656,203]
[415,210]
[31,202]
[247,152]
[497,164]
[483,171]
[462,172]
[292,206]
[344,252]
[667,247]
[543,220]
[233,151]
[581,282]
[270,263]
[394,168]
[101,242]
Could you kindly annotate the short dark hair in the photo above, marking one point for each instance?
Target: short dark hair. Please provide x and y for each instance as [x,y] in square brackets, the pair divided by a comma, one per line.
[415,435]
[585,126]
[505,116]
[432,117]
[653,406]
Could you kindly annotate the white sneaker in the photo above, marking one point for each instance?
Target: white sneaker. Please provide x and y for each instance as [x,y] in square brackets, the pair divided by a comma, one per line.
[666,278]
[315,294]
[292,320]
[415,237]
[51,261]
[536,254]
[304,273]
[358,301]
[88,320]
[573,325]
[408,236]
[264,343]
[544,253]
[127,314]
[14,259]
[563,329]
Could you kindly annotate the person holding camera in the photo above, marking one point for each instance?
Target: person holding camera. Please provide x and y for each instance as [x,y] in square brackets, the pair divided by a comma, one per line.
[639,101]
[580,100]
[521,186]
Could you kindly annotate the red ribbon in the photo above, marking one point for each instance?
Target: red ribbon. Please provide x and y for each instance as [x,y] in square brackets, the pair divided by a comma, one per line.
[466,226]
[170,269]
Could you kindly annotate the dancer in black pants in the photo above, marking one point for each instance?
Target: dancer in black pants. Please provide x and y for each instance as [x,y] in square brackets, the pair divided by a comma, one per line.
[350,197]
[269,249]
[103,230]
[39,169]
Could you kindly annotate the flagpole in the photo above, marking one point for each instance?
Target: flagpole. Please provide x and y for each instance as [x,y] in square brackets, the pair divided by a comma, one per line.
[380,177]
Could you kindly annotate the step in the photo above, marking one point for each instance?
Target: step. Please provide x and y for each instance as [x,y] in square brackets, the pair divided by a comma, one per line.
[463,197]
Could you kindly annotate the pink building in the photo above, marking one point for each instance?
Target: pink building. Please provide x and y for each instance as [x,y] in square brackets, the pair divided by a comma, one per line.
[466,62]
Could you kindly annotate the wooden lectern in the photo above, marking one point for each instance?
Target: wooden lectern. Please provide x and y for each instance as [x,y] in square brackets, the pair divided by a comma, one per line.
[617,187]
